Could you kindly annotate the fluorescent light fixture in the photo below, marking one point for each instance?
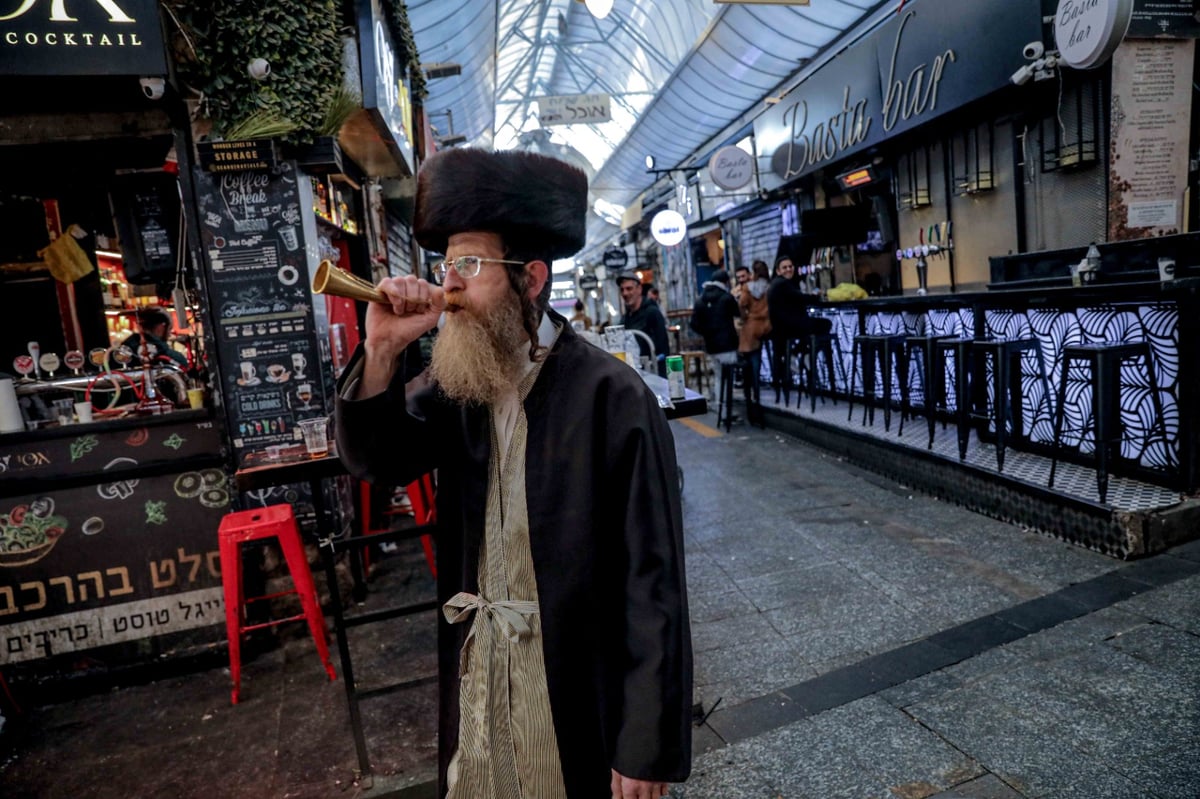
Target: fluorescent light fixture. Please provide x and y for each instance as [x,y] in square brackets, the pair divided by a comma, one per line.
[444,69]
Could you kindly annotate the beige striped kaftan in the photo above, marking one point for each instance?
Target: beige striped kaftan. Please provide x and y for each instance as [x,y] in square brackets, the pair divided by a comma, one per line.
[506,742]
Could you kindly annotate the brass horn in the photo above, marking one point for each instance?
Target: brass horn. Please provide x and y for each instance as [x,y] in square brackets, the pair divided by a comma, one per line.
[340,283]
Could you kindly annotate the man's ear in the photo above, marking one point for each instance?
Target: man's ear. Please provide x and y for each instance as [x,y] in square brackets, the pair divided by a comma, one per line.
[536,275]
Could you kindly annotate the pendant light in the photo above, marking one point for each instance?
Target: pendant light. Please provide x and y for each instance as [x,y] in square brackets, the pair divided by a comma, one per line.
[599,8]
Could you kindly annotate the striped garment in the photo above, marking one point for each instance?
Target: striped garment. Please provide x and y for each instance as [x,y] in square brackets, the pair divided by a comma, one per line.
[506,743]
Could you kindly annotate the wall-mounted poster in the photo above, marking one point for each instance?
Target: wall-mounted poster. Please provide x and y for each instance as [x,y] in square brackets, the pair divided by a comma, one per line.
[1151,111]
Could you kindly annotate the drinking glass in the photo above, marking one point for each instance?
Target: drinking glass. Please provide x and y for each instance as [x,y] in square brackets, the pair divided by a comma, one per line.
[314,431]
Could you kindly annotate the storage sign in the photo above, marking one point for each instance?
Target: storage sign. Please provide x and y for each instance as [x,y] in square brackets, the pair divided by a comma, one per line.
[574,109]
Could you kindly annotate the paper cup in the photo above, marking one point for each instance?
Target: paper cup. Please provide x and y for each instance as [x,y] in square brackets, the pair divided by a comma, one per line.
[83,410]
[196,398]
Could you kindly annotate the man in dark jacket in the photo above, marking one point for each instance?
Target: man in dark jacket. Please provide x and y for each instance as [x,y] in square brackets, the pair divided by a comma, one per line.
[644,315]
[787,306]
[713,317]
[565,657]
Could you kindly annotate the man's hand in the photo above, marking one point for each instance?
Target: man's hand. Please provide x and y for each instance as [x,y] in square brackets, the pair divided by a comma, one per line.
[626,788]
[415,308]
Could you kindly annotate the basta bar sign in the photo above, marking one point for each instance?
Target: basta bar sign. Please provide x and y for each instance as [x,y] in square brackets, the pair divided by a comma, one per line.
[933,57]
[81,37]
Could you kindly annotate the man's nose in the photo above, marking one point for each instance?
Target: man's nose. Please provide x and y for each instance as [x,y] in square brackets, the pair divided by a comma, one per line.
[453,281]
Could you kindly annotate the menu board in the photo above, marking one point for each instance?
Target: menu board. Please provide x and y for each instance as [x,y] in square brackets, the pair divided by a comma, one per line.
[147,207]
[270,343]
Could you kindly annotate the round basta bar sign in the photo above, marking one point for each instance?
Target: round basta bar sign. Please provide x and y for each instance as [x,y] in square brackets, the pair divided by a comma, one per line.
[731,168]
[1088,31]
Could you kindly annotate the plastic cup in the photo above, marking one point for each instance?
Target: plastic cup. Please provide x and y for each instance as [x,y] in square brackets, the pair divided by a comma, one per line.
[314,431]
[84,411]
[196,398]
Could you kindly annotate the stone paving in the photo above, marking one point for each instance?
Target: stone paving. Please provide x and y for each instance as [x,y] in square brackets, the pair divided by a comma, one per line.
[853,639]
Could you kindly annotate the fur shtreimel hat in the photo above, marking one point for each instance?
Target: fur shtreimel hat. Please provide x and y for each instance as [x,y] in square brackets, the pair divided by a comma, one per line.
[523,196]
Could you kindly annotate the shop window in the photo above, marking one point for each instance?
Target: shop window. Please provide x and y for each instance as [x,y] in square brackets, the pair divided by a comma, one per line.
[1070,136]
[973,153]
[913,179]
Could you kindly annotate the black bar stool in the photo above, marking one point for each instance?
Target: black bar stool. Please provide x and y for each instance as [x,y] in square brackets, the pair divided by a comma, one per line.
[778,351]
[885,348]
[1105,359]
[730,372]
[823,344]
[962,351]
[931,384]
[1006,386]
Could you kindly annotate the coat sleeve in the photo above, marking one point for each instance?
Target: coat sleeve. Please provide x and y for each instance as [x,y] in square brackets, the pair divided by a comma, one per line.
[388,438]
[658,333]
[652,726]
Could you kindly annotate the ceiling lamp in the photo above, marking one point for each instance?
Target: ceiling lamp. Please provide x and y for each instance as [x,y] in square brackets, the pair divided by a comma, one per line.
[599,8]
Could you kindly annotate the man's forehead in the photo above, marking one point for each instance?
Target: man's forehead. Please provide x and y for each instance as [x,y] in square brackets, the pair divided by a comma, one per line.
[474,239]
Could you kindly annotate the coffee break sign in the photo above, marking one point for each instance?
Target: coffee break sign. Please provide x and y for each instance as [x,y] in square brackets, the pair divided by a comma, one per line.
[81,37]
[934,57]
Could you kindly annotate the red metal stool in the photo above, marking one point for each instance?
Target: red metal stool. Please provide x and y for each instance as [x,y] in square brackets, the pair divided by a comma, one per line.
[421,500]
[275,521]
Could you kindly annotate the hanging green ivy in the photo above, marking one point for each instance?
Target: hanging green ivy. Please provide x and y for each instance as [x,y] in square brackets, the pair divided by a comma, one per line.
[299,38]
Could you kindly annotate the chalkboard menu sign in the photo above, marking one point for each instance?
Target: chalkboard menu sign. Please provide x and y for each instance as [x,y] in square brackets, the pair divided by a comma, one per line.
[268,337]
[147,206]
[1171,19]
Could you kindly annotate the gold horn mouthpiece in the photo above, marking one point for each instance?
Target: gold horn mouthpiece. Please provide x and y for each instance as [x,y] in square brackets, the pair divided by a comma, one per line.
[340,283]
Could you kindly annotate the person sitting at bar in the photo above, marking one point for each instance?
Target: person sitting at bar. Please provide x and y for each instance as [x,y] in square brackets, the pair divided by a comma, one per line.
[787,308]
[155,325]
[788,303]
[565,654]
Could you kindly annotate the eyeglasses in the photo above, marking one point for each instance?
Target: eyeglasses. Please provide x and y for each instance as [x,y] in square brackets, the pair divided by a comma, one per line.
[467,267]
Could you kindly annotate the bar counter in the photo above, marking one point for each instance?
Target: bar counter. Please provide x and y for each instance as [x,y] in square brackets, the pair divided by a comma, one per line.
[1164,314]
[108,537]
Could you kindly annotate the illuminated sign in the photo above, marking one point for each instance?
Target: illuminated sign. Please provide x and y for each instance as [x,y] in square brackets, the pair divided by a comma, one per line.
[856,177]
[668,228]
[81,37]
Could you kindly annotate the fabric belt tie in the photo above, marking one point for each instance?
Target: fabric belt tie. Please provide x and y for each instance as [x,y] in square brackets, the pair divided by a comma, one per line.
[509,615]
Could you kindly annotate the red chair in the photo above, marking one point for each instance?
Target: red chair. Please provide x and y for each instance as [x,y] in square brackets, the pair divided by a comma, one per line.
[421,497]
[274,521]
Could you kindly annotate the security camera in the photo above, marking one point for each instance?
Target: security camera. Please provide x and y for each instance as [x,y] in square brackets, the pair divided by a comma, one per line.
[153,88]
[1033,50]
[1022,75]
[259,68]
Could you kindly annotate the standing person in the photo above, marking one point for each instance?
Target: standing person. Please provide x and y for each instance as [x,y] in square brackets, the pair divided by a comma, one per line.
[581,321]
[650,293]
[644,316]
[565,656]
[756,325]
[787,307]
[741,276]
[713,316]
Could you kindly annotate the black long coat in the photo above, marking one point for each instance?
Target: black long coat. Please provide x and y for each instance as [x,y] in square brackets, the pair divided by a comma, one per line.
[607,544]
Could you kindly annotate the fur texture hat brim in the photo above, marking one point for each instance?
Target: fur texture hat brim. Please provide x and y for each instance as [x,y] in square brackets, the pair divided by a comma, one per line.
[534,199]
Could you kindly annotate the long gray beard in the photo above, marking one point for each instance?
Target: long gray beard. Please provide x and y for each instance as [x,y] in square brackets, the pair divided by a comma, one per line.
[476,359]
